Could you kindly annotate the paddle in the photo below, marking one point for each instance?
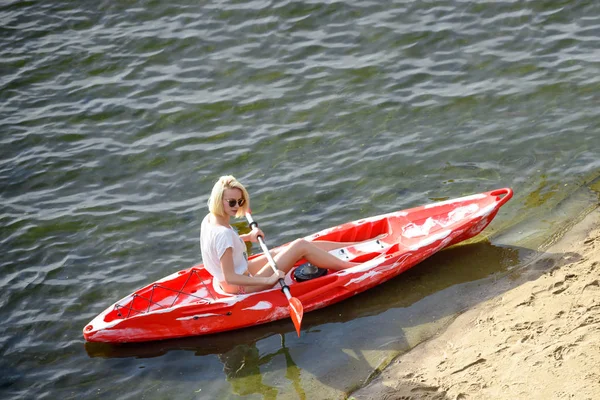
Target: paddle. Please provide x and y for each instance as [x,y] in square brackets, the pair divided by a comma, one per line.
[295,307]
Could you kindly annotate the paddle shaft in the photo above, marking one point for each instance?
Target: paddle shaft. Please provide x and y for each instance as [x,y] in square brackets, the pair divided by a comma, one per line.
[272,263]
[295,306]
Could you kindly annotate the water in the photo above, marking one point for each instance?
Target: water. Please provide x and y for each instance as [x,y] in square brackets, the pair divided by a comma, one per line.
[116,118]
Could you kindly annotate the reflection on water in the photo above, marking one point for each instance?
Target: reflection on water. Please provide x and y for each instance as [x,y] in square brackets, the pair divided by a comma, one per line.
[242,368]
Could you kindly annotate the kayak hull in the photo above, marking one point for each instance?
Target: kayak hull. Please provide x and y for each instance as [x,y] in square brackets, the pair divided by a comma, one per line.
[190,303]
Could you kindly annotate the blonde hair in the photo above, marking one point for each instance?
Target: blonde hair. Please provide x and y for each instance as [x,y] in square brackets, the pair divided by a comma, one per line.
[215,202]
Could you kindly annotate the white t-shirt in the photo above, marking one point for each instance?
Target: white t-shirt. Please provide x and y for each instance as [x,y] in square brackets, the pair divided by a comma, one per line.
[214,240]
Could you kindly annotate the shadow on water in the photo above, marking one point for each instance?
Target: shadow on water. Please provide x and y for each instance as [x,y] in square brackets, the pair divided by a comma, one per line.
[435,290]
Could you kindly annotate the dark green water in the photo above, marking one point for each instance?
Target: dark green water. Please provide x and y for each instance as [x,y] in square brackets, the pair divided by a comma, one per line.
[117,117]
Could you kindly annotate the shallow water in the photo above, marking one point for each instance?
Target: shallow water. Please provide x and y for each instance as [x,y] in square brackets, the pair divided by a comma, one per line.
[116,119]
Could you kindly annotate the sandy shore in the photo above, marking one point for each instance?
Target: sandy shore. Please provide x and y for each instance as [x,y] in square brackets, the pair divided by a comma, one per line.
[539,338]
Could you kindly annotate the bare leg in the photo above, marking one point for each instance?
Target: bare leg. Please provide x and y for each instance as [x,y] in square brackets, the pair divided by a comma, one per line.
[328,246]
[259,267]
[299,249]
[286,257]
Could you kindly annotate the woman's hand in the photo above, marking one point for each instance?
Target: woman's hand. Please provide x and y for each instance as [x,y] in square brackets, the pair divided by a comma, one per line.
[253,235]
[233,278]
[276,277]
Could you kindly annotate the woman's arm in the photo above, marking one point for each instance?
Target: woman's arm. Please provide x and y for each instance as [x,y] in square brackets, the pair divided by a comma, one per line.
[253,235]
[233,278]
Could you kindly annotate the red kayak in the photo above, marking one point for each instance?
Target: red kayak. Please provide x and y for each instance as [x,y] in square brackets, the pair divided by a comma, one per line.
[189,302]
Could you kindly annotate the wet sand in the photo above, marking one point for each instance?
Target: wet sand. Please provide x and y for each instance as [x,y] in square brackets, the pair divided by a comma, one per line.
[538,338]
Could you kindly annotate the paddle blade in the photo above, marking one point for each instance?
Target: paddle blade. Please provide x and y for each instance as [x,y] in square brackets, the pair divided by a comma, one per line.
[296,312]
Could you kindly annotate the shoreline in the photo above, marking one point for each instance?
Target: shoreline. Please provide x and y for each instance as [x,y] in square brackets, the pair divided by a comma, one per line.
[538,337]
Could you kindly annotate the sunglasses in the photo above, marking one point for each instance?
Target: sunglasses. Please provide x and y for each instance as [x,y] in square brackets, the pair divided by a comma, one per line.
[232,202]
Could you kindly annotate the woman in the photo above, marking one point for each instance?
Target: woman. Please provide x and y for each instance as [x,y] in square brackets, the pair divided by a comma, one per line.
[224,251]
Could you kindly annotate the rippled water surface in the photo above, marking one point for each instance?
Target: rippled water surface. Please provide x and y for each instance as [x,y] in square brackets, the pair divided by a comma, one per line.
[117,117]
